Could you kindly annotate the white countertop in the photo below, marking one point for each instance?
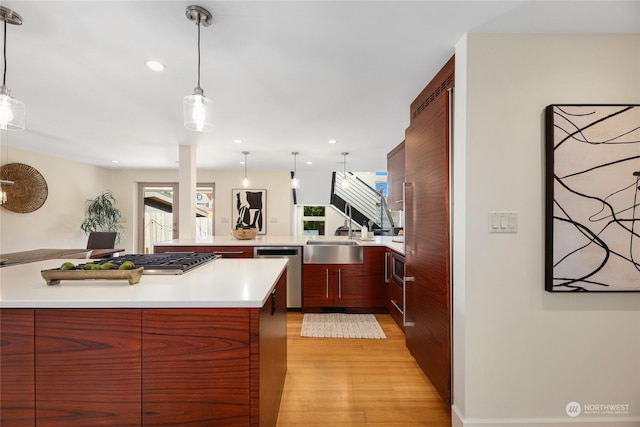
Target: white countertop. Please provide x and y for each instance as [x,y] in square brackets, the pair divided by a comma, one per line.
[281,241]
[243,283]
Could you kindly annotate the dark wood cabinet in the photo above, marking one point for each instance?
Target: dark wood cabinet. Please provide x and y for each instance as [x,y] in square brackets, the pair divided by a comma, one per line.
[427,231]
[332,285]
[230,251]
[144,367]
[374,277]
[395,303]
[87,367]
[396,177]
[195,367]
[17,380]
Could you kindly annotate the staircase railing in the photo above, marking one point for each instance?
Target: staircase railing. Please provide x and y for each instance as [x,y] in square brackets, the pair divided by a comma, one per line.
[366,203]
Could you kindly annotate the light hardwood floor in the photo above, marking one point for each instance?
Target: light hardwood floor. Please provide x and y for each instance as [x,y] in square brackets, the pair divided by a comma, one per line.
[356,382]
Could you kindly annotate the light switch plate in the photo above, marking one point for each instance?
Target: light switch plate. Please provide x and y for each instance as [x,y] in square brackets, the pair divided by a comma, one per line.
[503,222]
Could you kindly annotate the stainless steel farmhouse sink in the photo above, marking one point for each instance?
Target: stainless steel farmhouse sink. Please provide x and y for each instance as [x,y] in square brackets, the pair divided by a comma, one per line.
[333,252]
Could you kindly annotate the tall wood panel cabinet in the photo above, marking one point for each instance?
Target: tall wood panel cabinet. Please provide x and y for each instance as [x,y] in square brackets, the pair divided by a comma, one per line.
[395,177]
[427,231]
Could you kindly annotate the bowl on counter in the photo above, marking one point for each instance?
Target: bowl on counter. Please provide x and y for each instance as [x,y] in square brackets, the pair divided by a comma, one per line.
[245,233]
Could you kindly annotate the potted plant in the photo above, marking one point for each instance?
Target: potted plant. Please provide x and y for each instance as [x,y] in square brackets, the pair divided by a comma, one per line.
[102,215]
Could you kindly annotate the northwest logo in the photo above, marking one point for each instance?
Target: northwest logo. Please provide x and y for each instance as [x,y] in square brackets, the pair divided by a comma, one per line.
[573,409]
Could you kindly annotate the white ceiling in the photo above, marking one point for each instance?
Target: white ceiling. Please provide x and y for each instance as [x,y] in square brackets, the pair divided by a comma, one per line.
[284,76]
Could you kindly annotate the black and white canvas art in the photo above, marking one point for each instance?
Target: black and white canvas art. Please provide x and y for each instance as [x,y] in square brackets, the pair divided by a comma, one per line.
[249,209]
[593,198]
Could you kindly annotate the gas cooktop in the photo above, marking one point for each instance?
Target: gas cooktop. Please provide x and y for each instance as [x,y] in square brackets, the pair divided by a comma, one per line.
[164,263]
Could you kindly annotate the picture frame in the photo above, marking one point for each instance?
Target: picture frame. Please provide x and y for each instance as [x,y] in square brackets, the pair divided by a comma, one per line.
[249,209]
[592,213]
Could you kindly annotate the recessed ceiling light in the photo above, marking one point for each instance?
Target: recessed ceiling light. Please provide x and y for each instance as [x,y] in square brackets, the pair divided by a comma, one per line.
[115,161]
[332,141]
[155,65]
[237,141]
[309,162]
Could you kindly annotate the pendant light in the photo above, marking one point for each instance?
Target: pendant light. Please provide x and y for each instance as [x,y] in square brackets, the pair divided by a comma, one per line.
[345,181]
[245,181]
[5,182]
[295,182]
[11,110]
[197,107]
[3,193]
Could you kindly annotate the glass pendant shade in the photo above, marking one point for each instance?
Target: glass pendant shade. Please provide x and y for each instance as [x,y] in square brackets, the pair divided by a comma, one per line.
[198,111]
[295,182]
[245,181]
[345,181]
[3,192]
[11,111]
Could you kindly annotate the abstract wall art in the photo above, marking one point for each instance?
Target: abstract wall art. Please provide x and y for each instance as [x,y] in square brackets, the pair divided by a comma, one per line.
[249,209]
[592,198]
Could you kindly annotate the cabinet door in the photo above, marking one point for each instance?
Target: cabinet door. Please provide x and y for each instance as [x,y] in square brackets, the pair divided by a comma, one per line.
[428,251]
[195,367]
[317,285]
[374,276]
[347,285]
[395,177]
[17,387]
[87,367]
[272,353]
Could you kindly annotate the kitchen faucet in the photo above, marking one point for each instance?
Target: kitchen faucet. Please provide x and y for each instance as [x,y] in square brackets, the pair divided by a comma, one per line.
[347,207]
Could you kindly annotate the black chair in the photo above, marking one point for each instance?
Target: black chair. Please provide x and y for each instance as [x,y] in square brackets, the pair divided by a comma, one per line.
[102,240]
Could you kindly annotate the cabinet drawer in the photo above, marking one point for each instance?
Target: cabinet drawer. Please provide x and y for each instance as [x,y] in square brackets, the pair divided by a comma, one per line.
[224,251]
[395,304]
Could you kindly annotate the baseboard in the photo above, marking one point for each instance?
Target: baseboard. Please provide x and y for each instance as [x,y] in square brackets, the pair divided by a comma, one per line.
[458,421]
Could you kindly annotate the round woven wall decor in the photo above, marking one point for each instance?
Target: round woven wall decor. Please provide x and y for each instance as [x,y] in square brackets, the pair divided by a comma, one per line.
[29,190]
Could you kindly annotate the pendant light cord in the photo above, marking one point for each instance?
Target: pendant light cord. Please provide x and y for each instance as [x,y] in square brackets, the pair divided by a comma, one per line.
[198,51]
[4,73]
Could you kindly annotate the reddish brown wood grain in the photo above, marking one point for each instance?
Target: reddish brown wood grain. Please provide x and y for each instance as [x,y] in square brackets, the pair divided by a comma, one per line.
[345,286]
[428,232]
[17,381]
[269,357]
[87,367]
[223,251]
[396,177]
[374,285]
[195,367]
[348,290]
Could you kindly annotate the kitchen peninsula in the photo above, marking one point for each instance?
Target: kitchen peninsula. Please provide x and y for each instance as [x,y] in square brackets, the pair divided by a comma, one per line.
[204,348]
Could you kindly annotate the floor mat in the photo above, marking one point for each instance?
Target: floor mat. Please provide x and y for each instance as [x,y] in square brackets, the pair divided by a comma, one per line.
[341,325]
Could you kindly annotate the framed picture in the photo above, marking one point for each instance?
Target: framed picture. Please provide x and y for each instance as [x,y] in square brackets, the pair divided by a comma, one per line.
[249,209]
[592,198]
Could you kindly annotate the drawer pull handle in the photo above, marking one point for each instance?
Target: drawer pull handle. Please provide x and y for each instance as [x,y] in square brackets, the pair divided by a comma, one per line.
[397,307]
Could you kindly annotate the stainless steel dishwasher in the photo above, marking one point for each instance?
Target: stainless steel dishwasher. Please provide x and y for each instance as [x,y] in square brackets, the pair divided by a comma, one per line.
[294,269]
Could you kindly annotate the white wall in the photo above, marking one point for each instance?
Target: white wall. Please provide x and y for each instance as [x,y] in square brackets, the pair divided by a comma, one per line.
[521,354]
[277,184]
[57,223]
[70,184]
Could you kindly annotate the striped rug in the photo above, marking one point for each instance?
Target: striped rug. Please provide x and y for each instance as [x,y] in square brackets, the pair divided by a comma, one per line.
[341,325]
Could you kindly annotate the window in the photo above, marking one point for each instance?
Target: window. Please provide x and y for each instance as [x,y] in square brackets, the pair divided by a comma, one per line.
[313,220]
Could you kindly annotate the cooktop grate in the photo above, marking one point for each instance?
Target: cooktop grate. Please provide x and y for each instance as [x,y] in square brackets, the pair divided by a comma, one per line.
[164,263]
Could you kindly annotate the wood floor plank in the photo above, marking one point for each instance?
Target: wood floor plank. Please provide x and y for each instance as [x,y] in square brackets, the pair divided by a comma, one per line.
[356,382]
